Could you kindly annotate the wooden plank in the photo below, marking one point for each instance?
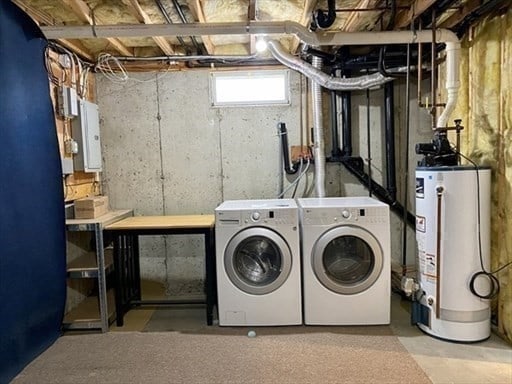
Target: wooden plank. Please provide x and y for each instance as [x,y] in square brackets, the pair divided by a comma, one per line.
[143,17]
[84,13]
[405,18]
[164,222]
[197,8]
[41,17]
[461,13]
[73,192]
[77,47]
[309,5]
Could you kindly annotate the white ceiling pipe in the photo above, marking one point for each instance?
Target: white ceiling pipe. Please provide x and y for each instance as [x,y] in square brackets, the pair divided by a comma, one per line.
[452,82]
[249,28]
[322,78]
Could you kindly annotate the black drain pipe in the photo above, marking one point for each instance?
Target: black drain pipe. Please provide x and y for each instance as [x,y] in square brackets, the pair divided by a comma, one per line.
[355,166]
[283,134]
[389,126]
[179,10]
[346,116]
[335,151]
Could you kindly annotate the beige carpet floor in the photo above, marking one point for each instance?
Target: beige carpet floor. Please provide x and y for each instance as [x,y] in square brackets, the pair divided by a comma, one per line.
[227,355]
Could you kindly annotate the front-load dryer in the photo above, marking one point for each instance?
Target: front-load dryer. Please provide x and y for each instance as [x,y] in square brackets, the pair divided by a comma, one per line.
[258,263]
[346,261]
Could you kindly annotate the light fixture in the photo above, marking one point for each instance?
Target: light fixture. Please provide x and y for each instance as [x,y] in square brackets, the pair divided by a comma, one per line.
[261,45]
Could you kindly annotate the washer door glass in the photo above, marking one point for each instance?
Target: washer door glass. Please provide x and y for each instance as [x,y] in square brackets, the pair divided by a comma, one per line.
[347,260]
[257,260]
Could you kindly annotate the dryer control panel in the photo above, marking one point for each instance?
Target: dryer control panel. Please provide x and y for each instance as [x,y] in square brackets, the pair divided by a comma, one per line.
[359,215]
[266,216]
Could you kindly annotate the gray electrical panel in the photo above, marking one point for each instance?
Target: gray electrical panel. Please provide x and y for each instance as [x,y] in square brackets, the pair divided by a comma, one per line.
[86,131]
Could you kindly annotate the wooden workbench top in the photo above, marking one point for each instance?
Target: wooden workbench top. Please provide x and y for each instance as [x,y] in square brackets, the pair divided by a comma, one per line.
[164,222]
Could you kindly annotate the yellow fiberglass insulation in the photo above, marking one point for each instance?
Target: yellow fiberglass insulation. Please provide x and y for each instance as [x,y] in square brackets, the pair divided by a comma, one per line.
[485,106]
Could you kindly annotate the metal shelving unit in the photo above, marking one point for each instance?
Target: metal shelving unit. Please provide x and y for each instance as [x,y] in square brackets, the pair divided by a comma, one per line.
[93,266]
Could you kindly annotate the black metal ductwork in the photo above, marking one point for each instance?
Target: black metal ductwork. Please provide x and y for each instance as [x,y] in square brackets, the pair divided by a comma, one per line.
[355,165]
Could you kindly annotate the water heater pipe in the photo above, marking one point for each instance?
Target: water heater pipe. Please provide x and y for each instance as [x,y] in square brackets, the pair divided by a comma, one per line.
[452,81]
[318,132]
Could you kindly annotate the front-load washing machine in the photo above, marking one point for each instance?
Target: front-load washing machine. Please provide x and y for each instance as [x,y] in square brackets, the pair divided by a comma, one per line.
[258,262]
[346,261]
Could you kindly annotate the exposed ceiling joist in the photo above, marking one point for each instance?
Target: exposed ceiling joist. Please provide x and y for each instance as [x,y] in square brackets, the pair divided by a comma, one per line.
[309,6]
[405,18]
[197,8]
[41,17]
[143,17]
[460,14]
[84,13]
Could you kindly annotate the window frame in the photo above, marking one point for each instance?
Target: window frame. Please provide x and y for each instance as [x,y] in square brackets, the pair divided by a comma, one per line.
[260,73]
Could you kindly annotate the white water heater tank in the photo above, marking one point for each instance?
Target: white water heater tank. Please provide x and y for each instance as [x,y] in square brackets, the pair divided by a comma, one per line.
[453,240]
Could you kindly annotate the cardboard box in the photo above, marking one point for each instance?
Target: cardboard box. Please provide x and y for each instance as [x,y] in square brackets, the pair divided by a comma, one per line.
[91,207]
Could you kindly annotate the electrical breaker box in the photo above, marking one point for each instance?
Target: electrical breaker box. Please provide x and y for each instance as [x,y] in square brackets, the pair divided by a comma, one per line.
[86,131]
[68,102]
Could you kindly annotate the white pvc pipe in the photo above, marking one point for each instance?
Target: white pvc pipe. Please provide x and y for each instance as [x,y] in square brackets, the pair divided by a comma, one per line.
[318,133]
[452,82]
[249,28]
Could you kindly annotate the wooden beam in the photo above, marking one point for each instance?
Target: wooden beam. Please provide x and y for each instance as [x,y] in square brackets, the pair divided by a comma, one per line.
[405,18]
[41,17]
[461,13]
[251,15]
[309,5]
[85,14]
[143,17]
[197,8]
[354,18]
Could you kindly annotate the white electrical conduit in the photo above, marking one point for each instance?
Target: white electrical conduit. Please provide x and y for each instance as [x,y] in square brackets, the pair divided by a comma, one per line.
[318,132]
[321,78]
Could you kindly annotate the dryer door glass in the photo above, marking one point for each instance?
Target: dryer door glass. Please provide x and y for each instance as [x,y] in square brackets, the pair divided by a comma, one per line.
[257,261]
[347,260]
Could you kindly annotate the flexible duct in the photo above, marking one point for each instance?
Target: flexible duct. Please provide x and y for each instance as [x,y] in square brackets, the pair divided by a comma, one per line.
[318,132]
[321,78]
[452,82]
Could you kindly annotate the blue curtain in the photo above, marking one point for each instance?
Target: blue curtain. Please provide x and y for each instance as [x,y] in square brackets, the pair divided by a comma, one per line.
[32,224]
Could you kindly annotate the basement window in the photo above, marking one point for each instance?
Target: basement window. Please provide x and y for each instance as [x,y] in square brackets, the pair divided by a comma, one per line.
[250,88]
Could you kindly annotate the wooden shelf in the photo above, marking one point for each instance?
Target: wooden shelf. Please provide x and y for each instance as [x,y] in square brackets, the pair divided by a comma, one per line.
[86,266]
[87,314]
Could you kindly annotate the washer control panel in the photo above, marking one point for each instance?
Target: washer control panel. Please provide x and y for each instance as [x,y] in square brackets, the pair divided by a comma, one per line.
[327,216]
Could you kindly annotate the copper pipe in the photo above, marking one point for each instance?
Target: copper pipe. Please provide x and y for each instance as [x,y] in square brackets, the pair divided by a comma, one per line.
[433,77]
[420,52]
